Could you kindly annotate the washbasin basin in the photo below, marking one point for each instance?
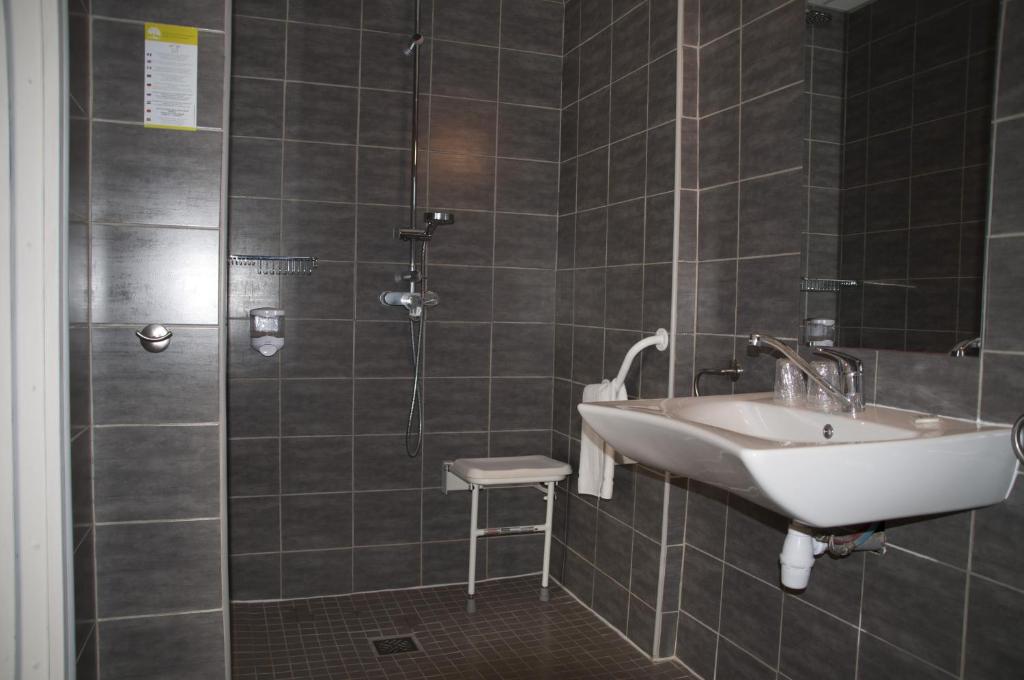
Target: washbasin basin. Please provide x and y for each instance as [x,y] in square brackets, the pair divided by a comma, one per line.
[820,469]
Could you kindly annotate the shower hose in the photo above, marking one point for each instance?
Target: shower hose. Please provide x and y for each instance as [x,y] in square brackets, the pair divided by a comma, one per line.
[414,423]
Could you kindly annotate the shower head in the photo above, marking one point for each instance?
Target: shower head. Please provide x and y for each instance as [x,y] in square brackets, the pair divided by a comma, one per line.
[816,17]
[415,41]
[433,220]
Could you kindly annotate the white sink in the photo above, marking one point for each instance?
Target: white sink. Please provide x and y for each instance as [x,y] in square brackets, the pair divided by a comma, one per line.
[883,464]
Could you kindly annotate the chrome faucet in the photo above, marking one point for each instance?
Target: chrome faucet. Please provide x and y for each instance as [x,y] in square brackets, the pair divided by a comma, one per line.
[852,369]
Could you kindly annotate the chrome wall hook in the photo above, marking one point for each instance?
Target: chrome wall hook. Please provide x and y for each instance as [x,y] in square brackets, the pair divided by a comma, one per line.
[154,338]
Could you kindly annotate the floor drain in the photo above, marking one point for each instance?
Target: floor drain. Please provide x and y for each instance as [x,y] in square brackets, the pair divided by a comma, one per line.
[394,645]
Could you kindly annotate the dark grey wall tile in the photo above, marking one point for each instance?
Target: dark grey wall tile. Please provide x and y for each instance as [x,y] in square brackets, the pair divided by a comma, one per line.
[163,638]
[385,567]
[323,54]
[770,60]
[319,172]
[803,625]
[320,113]
[338,13]
[526,186]
[696,646]
[385,517]
[253,408]
[318,349]
[465,182]
[256,577]
[466,21]
[456,349]
[190,12]
[1003,324]
[255,226]
[385,118]
[254,524]
[734,662]
[630,34]
[463,126]
[524,241]
[381,462]
[316,464]
[719,148]
[150,188]
[316,572]
[372,401]
[316,521]
[146,473]
[465,71]
[761,149]
[1001,401]
[751,615]
[701,587]
[383,175]
[932,383]
[131,267]
[532,25]
[316,407]
[157,567]
[258,48]
[771,302]
[917,605]
[131,385]
[878,659]
[324,295]
[383,64]
[256,167]
[253,467]
[994,615]
[522,349]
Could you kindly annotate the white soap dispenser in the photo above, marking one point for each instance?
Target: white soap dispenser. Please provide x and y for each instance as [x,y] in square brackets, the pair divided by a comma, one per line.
[266,330]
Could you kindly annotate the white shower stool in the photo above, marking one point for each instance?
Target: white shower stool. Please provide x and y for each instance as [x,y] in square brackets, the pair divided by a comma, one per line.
[474,474]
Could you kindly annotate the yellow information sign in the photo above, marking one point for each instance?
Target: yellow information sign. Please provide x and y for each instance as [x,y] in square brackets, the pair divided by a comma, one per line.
[172,77]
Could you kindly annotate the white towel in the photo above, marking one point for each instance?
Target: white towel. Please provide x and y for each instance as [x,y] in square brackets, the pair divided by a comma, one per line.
[597,459]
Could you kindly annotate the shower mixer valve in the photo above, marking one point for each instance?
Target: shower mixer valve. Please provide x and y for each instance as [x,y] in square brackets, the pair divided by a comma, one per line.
[414,302]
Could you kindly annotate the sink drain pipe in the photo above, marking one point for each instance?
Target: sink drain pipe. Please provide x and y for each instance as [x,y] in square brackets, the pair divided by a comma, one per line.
[797,556]
[803,544]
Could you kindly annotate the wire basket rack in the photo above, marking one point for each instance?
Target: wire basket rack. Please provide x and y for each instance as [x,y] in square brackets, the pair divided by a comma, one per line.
[279,265]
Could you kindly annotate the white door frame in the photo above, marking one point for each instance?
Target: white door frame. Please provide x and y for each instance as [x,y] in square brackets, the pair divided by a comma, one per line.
[36,615]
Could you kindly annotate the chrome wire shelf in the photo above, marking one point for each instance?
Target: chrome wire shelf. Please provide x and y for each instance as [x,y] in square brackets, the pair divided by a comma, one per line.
[825,285]
[810,285]
[279,265]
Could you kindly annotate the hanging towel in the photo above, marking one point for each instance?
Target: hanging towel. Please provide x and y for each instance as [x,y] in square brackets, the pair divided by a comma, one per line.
[597,463]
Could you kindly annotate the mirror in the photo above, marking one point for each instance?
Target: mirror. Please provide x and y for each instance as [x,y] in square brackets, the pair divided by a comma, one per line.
[899,97]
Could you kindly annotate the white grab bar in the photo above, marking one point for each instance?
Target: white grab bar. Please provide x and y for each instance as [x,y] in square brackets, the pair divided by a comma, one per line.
[659,339]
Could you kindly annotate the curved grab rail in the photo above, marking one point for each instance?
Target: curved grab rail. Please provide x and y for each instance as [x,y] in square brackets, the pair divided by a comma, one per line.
[659,339]
[1017,439]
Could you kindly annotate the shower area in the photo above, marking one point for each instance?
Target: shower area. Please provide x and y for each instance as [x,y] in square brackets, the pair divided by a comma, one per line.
[417,213]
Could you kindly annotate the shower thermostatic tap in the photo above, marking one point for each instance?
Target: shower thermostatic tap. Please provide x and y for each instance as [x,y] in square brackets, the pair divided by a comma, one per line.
[414,302]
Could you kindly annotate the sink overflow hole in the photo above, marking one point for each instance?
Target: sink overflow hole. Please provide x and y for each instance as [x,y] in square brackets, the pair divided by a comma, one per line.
[828,431]
[394,645]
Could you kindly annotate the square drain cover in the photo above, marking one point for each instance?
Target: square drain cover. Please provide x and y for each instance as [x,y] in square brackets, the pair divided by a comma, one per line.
[394,645]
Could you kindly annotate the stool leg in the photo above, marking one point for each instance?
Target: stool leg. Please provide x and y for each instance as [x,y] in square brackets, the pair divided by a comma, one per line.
[544,594]
[471,590]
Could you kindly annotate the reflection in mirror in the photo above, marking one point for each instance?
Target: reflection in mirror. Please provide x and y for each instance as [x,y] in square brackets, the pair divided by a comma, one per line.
[899,100]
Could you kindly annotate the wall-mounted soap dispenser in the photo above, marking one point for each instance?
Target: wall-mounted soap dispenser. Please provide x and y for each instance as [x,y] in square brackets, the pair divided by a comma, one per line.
[266,330]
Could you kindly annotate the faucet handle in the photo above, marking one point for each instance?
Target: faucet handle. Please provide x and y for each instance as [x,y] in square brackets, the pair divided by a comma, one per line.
[854,363]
